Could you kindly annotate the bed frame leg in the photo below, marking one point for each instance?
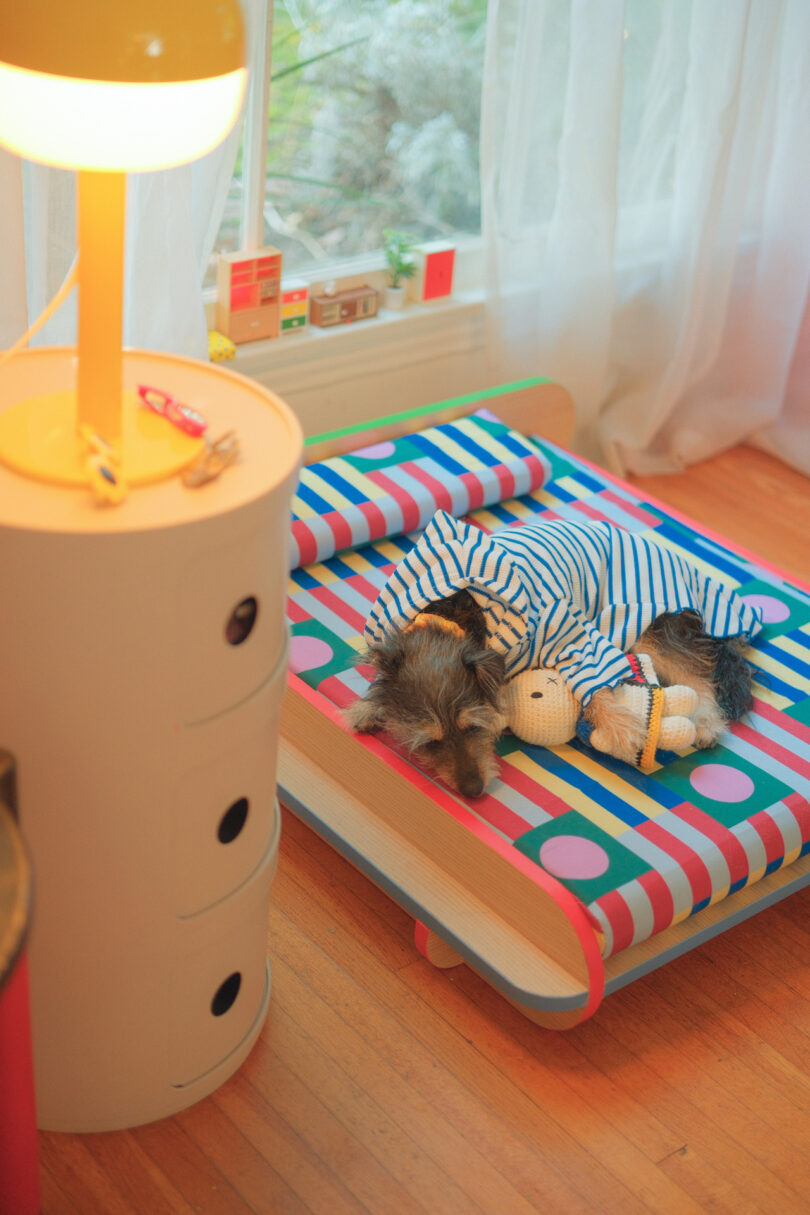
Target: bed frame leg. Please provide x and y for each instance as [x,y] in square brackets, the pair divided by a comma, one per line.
[431,946]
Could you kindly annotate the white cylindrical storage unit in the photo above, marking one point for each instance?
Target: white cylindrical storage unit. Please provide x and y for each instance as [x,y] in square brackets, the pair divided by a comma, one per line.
[143,651]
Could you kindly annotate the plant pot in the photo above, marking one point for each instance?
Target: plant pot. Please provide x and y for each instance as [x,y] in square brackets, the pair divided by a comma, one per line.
[394,297]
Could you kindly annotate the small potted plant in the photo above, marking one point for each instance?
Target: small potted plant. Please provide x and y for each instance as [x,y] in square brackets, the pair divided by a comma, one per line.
[399,249]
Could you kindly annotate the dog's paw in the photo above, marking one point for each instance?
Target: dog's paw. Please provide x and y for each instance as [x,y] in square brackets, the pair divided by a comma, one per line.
[710,725]
[363,715]
[616,729]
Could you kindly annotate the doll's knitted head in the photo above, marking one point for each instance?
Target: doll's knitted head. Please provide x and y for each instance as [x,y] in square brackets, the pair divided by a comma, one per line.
[540,708]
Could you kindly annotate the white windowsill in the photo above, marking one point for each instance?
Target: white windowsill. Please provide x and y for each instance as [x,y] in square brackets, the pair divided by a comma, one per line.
[388,341]
[403,359]
[396,360]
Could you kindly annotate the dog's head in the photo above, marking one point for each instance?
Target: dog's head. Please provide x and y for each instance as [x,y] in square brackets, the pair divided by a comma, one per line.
[438,694]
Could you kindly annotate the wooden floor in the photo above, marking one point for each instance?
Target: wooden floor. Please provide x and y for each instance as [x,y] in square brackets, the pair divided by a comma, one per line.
[381,1085]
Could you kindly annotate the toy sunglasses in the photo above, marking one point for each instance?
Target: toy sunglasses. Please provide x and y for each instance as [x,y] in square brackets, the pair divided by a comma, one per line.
[180,415]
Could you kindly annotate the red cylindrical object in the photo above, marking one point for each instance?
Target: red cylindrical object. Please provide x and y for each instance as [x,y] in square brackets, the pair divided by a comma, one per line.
[19,1157]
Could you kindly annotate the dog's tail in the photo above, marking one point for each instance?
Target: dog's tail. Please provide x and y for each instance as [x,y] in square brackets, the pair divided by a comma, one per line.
[720,659]
[733,678]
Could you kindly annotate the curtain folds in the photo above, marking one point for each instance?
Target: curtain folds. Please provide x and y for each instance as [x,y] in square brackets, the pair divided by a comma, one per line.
[171,224]
[646,218]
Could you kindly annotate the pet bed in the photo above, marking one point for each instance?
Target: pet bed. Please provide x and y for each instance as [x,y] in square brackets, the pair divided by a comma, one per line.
[575,873]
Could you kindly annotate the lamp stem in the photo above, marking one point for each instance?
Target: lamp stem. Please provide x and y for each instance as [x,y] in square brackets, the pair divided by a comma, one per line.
[102,208]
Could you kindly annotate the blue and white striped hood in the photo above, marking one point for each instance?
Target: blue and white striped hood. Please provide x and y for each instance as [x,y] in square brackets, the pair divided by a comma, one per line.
[574,596]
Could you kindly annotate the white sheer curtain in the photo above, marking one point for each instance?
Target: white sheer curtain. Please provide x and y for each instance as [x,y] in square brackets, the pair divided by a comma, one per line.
[172,220]
[646,215]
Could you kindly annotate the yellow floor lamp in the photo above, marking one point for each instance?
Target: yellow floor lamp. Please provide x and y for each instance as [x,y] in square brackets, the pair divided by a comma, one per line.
[142,637]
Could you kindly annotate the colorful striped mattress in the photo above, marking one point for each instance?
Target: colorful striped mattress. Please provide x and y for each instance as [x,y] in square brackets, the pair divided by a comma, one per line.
[640,851]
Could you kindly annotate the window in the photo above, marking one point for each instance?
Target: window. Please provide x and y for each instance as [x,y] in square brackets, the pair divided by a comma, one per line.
[373,118]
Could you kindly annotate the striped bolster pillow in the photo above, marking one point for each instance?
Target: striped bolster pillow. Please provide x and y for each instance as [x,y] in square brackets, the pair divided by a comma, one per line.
[397,486]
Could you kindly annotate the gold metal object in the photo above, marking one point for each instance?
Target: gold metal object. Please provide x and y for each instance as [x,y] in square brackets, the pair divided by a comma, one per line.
[218,454]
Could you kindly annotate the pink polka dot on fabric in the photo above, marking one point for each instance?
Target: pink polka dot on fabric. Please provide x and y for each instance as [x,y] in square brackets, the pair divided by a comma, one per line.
[774,611]
[307,653]
[722,783]
[377,451]
[573,856]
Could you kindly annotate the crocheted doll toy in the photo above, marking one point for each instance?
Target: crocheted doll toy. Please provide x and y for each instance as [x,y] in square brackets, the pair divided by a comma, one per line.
[541,710]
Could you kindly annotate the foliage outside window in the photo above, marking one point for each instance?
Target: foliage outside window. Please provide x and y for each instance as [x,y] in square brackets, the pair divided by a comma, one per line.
[373,124]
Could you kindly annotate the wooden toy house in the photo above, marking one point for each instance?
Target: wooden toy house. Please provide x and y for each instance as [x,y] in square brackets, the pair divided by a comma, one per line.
[249,294]
[294,306]
[343,307]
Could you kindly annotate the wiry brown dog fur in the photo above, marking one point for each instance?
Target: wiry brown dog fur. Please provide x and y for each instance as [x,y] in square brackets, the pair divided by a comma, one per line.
[438,694]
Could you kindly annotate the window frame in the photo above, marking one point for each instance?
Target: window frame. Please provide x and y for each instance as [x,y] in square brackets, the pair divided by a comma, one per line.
[254,128]
[251,235]
[435,350]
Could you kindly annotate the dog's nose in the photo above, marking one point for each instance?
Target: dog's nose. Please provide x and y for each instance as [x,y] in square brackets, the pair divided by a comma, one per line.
[472,786]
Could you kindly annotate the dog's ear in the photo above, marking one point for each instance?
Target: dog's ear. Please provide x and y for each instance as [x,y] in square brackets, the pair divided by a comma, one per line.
[388,656]
[489,669]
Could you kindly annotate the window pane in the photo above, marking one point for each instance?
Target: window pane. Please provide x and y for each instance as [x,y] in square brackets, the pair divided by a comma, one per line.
[374,116]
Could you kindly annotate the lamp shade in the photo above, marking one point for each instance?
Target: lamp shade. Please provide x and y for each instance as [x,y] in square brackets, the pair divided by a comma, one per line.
[72,77]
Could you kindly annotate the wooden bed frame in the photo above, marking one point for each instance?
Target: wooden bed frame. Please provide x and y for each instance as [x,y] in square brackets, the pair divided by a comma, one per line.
[471,900]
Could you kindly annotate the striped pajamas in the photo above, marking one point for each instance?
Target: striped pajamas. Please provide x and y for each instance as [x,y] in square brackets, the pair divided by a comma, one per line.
[574,596]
